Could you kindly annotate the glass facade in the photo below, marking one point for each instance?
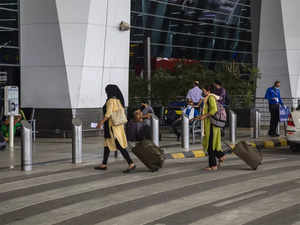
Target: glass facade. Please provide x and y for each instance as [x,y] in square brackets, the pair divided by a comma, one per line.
[9,41]
[211,31]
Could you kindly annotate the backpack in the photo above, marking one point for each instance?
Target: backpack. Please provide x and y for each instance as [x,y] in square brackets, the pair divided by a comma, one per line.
[220,118]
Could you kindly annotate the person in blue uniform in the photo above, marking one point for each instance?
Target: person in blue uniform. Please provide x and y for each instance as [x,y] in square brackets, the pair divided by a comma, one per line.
[274,99]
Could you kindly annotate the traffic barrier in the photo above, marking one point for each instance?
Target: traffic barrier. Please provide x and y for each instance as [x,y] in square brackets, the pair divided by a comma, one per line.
[26,146]
[185,137]
[155,130]
[257,124]
[233,126]
[77,141]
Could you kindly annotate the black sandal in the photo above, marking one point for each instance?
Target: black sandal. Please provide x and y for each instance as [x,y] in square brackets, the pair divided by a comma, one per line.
[100,168]
[129,170]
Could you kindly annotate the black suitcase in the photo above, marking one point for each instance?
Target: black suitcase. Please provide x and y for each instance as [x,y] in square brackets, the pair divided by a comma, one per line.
[149,154]
[250,155]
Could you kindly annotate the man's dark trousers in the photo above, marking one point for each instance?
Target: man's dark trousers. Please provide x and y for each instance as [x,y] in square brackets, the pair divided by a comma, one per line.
[274,110]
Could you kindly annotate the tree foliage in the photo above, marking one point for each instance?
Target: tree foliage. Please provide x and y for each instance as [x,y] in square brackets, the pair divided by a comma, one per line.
[167,85]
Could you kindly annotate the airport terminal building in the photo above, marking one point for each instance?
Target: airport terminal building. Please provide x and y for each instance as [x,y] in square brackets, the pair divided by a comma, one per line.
[62,53]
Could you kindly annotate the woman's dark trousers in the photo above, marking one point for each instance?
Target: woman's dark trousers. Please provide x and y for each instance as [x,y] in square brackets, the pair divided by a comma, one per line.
[213,154]
[274,110]
[123,151]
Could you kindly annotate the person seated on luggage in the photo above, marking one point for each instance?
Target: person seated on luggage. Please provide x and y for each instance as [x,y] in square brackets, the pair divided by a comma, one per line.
[190,112]
[138,116]
[147,112]
[136,128]
[5,126]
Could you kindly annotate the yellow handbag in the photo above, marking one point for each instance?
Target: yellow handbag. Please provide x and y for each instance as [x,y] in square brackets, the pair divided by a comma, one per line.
[118,117]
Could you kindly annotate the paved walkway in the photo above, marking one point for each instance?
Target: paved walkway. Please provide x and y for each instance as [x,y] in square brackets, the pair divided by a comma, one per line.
[179,194]
[59,151]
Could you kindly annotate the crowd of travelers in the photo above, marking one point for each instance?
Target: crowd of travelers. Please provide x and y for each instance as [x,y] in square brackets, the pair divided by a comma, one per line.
[205,104]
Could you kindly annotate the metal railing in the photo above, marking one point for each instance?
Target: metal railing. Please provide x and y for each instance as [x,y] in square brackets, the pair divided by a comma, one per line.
[237,102]
[262,106]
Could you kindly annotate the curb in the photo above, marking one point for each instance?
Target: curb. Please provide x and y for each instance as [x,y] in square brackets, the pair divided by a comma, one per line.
[183,155]
[270,144]
[267,144]
[227,149]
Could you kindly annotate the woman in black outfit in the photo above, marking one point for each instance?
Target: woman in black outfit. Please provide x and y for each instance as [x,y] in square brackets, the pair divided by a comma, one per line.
[114,136]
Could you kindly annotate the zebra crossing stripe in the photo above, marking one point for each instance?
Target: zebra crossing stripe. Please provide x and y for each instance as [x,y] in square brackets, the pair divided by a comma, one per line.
[158,213]
[76,206]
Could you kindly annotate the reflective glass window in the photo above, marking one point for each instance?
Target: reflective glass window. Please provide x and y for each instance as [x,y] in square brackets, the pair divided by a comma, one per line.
[207,30]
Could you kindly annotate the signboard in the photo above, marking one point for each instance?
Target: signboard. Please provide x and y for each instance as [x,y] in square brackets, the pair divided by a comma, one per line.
[11,100]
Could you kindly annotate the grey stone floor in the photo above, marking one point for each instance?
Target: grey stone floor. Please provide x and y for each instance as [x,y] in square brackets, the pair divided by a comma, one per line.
[179,194]
[59,150]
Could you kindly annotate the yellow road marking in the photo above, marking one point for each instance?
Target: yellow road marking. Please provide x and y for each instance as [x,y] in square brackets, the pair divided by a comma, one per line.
[252,144]
[178,155]
[283,142]
[269,144]
[199,154]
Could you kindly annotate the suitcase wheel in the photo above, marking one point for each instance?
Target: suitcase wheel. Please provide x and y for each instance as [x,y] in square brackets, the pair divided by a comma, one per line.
[154,170]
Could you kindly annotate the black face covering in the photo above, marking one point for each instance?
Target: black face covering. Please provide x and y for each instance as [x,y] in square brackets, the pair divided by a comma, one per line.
[112,91]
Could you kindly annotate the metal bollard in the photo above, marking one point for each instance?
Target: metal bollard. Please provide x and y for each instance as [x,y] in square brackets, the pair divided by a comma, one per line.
[148,122]
[278,129]
[11,131]
[155,129]
[26,146]
[257,124]
[233,126]
[34,130]
[77,141]
[185,134]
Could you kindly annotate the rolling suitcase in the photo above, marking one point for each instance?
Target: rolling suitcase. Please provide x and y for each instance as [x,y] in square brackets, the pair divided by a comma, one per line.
[149,154]
[250,155]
